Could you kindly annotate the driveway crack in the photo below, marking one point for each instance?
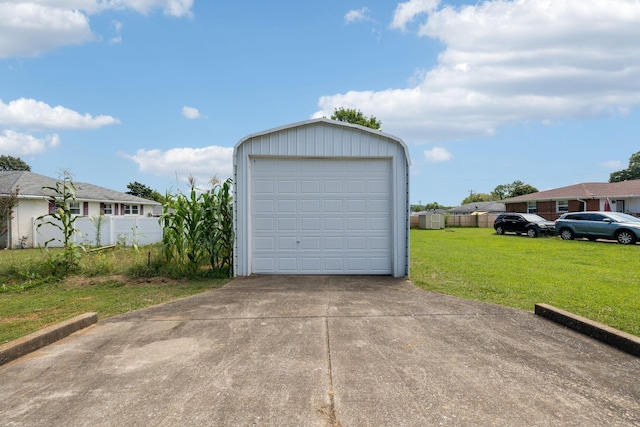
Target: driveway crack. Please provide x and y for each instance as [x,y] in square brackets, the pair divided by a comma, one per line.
[330,412]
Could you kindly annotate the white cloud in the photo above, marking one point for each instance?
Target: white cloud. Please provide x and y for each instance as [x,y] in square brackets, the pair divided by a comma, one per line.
[19,144]
[508,62]
[357,15]
[191,113]
[117,28]
[437,155]
[201,163]
[31,114]
[29,28]
[612,164]
[406,12]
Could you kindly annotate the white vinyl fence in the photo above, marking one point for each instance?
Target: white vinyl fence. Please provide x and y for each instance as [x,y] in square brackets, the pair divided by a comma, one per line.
[126,230]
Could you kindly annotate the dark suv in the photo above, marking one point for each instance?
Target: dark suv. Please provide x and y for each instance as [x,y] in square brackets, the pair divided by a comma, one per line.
[599,225]
[519,223]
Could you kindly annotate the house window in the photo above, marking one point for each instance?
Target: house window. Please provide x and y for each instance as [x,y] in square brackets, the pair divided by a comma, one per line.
[74,208]
[532,207]
[107,209]
[618,205]
[131,209]
[562,206]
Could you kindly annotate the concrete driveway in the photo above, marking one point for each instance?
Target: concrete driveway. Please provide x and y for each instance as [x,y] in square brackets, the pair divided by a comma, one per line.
[323,351]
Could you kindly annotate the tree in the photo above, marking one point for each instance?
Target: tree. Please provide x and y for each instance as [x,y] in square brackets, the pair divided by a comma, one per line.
[477,197]
[428,207]
[10,163]
[515,189]
[632,172]
[140,190]
[6,209]
[355,117]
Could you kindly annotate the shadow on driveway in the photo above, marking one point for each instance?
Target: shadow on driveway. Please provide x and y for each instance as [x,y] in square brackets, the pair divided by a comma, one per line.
[323,351]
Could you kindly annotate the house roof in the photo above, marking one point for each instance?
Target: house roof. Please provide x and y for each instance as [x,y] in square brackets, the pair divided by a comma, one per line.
[30,185]
[492,206]
[586,190]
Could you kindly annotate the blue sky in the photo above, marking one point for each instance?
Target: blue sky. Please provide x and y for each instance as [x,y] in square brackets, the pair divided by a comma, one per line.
[483,92]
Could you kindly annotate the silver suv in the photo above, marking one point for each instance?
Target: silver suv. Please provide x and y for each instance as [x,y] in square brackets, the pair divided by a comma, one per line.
[599,225]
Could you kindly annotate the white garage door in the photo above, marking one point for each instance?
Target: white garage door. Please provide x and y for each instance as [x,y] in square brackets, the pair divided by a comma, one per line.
[320,216]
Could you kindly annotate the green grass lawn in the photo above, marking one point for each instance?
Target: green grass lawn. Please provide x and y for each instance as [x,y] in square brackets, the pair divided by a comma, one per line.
[598,280]
[108,283]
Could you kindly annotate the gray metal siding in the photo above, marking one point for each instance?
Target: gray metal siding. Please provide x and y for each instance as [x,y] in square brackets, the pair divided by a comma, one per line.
[320,141]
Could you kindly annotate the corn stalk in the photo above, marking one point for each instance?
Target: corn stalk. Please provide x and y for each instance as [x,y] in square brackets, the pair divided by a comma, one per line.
[198,227]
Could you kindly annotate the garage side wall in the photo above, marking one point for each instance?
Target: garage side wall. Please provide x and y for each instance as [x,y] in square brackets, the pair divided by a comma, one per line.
[322,139]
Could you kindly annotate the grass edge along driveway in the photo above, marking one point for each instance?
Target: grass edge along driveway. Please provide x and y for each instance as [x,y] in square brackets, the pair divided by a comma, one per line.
[597,280]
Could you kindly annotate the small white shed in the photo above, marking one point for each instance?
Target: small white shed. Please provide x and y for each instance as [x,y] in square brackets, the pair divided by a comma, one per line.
[321,197]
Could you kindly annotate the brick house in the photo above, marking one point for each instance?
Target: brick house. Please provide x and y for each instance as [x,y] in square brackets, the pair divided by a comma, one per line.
[590,196]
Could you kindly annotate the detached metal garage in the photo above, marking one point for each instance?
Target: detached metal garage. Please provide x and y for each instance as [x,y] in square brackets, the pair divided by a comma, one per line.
[321,197]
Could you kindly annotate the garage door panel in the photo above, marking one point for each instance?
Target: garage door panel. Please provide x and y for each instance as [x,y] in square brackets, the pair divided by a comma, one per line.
[333,224]
[379,265]
[378,223]
[263,187]
[287,264]
[380,243]
[263,224]
[311,265]
[264,206]
[310,187]
[265,243]
[332,167]
[378,206]
[310,243]
[265,265]
[357,264]
[310,224]
[333,265]
[333,187]
[287,243]
[356,243]
[287,206]
[358,166]
[333,206]
[333,243]
[310,206]
[287,187]
[321,216]
[356,187]
[356,206]
[356,224]
[287,224]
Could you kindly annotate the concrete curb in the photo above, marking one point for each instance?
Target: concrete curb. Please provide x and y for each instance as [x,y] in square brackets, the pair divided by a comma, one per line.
[619,339]
[25,345]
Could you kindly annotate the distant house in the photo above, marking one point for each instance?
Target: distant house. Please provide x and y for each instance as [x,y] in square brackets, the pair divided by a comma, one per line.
[590,196]
[34,201]
[478,207]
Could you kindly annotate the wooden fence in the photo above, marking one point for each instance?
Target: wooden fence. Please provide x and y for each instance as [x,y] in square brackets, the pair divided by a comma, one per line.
[483,220]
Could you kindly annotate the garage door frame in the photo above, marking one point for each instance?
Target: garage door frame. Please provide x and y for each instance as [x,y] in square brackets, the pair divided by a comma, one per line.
[320,222]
